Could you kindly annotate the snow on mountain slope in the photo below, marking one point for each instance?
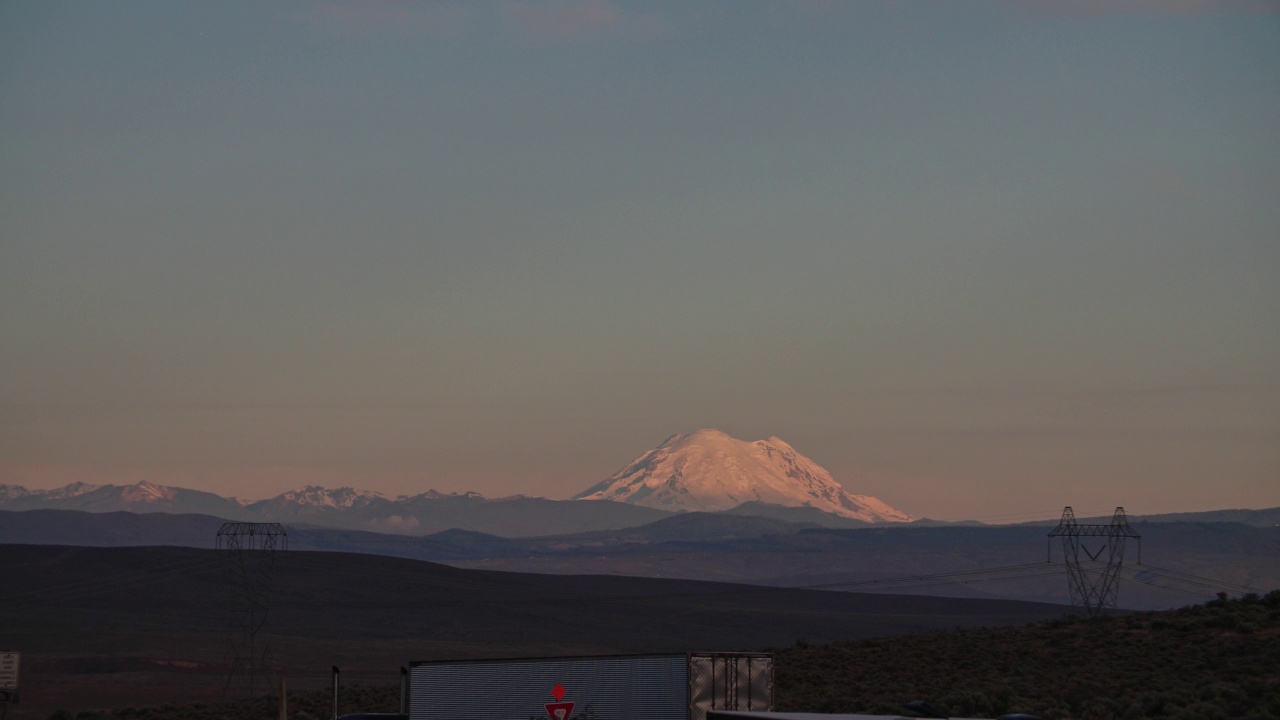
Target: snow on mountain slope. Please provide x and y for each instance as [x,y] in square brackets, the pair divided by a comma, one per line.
[140,497]
[75,489]
[313,498]
[12,492]
[710,471]
[345,507]
[145,492]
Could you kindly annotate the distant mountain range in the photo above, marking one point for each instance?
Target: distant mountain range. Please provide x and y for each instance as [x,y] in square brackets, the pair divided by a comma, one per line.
[701,506]
[704,471]
[1189,559]
[345,508]
[141,497]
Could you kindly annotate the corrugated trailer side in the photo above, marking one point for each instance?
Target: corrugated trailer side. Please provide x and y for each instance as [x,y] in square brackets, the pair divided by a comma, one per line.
[614,687]
[626,687]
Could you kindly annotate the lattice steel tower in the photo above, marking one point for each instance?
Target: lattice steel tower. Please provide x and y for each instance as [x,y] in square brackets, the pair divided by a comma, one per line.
[251,550]
[1094,579]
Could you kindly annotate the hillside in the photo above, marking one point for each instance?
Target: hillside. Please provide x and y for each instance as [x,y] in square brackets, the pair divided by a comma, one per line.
[716,546]
[1216,660]
[109,627]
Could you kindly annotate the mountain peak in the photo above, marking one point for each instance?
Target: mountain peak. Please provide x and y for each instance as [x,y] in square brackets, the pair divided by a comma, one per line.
[10,492]
[146,492]
[709,470]
[315,496]
[75,489]
[707,434]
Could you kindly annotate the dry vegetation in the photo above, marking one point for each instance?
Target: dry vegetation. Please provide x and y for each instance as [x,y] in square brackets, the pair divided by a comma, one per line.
[1217,660]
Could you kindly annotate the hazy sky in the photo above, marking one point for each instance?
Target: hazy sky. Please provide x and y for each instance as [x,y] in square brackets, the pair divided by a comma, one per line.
[975,258]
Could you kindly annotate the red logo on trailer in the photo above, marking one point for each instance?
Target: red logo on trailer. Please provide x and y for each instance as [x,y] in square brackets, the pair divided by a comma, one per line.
[559,710]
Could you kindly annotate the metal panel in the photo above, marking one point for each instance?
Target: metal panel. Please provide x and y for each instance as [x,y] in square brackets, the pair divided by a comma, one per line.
[9,662]
[729,681]
[635,687]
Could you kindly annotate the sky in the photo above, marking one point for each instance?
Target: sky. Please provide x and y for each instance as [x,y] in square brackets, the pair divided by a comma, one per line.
[979,259]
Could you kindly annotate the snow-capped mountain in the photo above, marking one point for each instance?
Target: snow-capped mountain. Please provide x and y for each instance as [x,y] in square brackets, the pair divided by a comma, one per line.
[145,492]
[140,497]
[316,498]
[75,489]
[427,512]
[710,471]
[12,492]
[707,471]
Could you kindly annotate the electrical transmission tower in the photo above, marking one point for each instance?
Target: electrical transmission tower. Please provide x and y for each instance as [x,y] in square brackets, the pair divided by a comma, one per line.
[1094,555]
[251,550]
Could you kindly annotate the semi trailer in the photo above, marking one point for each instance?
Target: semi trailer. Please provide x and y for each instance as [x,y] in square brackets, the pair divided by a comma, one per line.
[676,686]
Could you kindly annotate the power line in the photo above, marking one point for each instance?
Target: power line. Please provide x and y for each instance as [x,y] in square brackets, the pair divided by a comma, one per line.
[97,586]
[1188,579]
[1051,573]
[96,582]
[908,578]
[1197,593]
